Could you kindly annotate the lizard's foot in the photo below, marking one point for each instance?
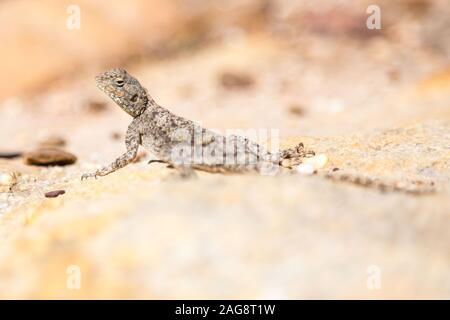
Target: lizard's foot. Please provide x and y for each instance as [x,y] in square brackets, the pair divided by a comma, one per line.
[90,175]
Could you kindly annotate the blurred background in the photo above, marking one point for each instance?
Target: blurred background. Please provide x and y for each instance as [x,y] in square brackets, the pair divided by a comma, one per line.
[307,68]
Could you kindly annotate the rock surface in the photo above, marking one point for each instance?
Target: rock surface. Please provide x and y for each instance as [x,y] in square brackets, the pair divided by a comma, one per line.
[142,233]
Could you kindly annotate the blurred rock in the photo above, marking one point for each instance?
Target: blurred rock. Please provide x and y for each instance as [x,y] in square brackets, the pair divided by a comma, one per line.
[142,29]
[296,110]
[96,106]
[236,80]
[49,157]
[10,154]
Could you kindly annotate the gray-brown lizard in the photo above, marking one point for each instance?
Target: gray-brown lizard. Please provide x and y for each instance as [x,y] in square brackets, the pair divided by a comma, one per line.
[186,145]
[178,141]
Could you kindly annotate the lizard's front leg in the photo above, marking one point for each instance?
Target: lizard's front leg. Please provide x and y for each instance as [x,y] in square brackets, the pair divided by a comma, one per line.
[132,141]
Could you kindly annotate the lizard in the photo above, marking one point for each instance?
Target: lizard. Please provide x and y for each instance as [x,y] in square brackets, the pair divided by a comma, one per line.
[187,146]
[180,142]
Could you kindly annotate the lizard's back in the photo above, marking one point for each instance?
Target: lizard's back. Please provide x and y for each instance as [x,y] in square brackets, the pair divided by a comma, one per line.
[177,140]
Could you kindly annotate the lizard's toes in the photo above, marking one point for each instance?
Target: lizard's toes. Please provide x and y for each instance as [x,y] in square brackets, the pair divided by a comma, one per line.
[88,175]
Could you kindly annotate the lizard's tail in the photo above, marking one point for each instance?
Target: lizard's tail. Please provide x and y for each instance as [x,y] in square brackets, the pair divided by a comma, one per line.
[416,187]
[292,157]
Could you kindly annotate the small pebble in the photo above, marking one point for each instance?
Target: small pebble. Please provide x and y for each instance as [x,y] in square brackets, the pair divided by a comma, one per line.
[97,106]
[8,179]
[10,155]
[54,193]
[306,169]
[49,157]
[296,110]
[235,80]
[319,161]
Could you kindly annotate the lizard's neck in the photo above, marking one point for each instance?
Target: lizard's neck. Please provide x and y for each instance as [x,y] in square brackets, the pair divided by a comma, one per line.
[136,108]
[150,102]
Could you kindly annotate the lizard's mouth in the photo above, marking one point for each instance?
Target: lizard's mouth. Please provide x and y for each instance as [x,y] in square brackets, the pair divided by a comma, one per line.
[99,78]
[98,81]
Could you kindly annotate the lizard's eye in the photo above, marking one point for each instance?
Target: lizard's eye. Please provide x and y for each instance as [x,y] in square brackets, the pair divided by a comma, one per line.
[119,82]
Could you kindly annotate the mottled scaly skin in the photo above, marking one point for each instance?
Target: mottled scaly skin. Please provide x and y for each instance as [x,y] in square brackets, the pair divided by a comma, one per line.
[169,137]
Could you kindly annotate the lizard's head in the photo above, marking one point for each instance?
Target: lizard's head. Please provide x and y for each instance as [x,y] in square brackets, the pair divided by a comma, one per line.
[125,90]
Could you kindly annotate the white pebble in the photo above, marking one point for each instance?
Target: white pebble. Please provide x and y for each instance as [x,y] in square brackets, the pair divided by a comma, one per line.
[305,168]
[7,181]
[317,162]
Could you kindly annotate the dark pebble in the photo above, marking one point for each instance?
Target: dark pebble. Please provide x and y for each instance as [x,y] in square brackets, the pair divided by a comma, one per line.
[54,193]
[10,155]
[297,110]
[235,80]
[97,106]
[49,157]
